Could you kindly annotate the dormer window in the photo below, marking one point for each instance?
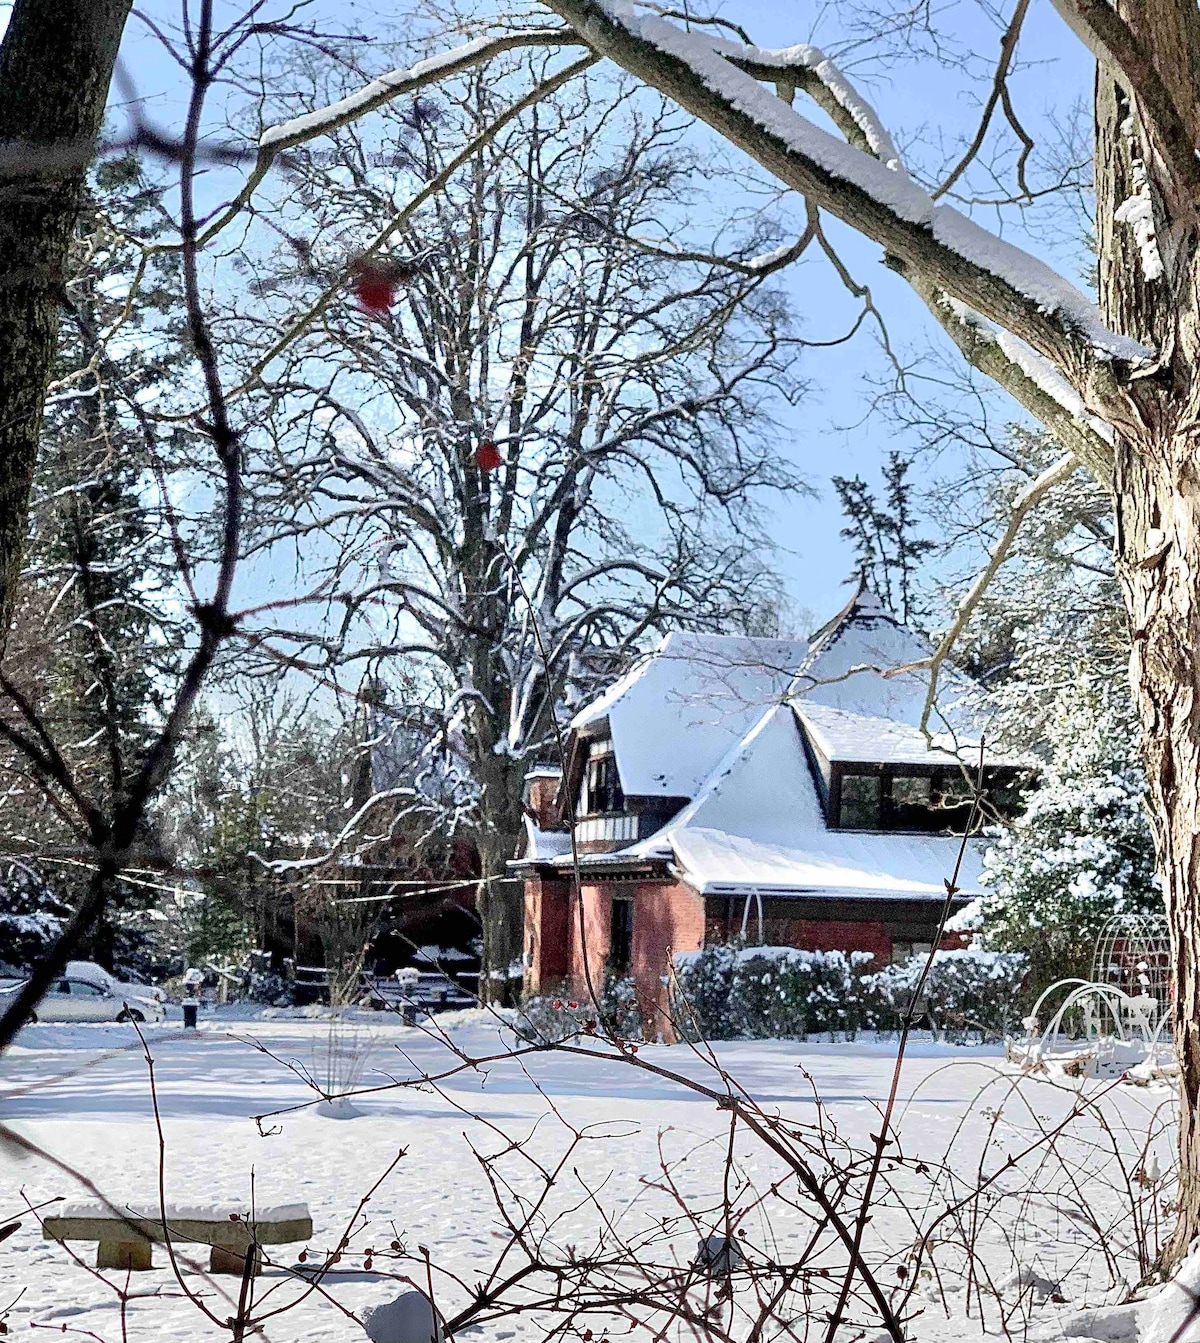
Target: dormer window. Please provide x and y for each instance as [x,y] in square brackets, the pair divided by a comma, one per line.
[861,795]
[876,774]
[600,789]
[890,798]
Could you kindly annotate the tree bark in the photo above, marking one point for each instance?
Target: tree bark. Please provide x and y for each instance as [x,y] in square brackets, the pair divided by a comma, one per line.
[1156,499]
[56,63]
[500,901]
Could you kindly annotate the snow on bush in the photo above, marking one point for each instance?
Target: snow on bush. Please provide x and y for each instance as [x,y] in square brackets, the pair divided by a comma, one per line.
[967,993]
[730,991]
[552,1018]
[31,916]
[701,990]
[788,993]
[1082,851]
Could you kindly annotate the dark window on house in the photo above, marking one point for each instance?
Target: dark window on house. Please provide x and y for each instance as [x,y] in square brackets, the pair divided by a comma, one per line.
[936,802]
[860,801]
[601,786]
[620,951]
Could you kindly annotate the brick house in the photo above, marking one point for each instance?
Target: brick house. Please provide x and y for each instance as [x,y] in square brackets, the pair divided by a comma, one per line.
[777,789]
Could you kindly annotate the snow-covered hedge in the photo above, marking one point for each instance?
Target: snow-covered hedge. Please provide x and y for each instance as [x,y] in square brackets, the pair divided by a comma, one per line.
[732,991]
[967,993]
[736,992]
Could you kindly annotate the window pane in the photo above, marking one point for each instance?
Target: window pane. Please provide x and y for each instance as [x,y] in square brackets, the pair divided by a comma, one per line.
[908,804]
[621,945]
[860,801]
[603,786]
[910,792]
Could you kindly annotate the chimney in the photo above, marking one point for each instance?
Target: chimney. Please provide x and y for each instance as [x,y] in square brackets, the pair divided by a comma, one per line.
[541,789]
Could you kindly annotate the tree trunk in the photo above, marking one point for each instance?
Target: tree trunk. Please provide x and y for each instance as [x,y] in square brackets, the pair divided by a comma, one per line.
[1156,487]
[56,63]
[1163,599]
[500,900]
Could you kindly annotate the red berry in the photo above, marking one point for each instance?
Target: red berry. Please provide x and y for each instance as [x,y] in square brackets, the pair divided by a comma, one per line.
[367,1262]
[375,288]
[557,1004]
[395,1245]
[633,1049]
[303,1256]
[487,456]
[572,1006]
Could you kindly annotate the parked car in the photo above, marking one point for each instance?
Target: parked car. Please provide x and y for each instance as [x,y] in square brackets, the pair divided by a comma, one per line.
[97,974]
[87,992]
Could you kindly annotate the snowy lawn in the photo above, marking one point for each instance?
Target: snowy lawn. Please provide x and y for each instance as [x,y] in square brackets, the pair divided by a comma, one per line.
[81,1093]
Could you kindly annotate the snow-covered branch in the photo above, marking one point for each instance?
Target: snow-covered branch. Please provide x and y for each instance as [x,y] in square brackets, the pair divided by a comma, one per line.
[285,135]
[1031,380]
[397,83]
[1007,285]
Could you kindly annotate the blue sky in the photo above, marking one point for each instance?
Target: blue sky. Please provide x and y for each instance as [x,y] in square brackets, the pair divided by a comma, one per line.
[832,431]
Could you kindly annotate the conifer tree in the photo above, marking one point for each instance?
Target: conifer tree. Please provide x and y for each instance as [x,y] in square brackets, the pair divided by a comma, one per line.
[1083,850]
[885,546]
[94,635]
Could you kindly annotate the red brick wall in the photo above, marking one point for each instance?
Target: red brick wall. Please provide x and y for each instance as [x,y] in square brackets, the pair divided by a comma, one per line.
[543,791]
[546,933]
[668,917]
[831,935]
[596,925]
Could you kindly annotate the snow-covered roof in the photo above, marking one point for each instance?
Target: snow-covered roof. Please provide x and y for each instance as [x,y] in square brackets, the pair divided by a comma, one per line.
[865,739]
[544,772]
[435,955]
[757,824]
[719,720]
[849,656]
[543,845]
[678,710]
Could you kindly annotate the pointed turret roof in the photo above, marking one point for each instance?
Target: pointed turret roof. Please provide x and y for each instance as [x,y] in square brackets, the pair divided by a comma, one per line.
[852,666]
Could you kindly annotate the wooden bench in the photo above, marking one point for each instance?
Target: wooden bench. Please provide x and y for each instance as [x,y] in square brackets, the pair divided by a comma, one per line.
[124,1241]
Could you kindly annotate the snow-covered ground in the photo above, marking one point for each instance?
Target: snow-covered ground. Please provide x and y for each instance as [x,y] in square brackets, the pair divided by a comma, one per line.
[81,1093]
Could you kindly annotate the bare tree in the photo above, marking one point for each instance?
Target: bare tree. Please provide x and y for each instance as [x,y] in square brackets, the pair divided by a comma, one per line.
[563,419]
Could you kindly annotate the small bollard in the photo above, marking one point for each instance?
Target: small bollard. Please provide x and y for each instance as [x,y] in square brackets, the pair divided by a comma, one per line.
[191,1009]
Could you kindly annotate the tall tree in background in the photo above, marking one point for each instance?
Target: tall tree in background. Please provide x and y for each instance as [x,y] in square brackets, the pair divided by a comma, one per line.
[887,551]
[94,634]
[551,443]
[269,804]
[1082,850]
